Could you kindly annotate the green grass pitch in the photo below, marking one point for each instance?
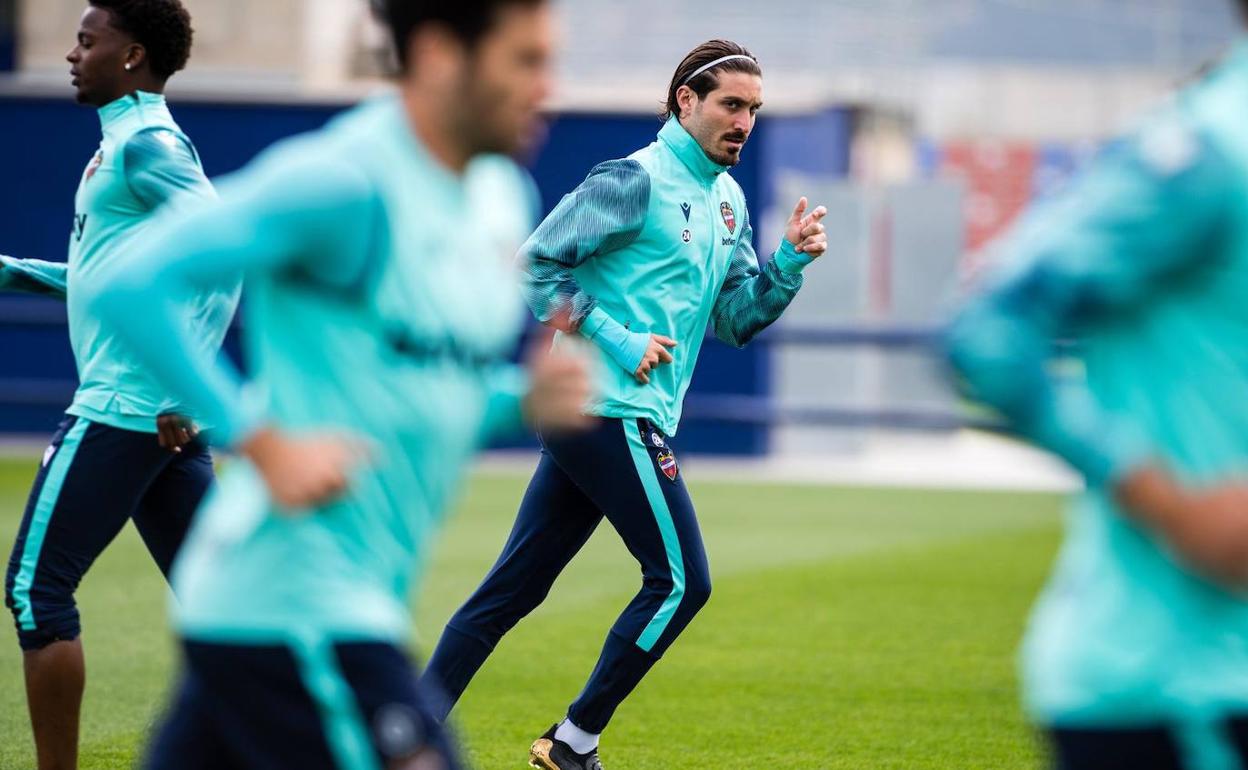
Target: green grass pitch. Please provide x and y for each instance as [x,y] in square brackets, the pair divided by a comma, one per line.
[855,629]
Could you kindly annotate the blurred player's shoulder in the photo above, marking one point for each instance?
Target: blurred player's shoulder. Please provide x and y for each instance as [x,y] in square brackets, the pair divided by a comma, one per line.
[506,196]
[1208,114]
[1200,122]
[500,175]
[1197,127]
[1169,141]
[335,161]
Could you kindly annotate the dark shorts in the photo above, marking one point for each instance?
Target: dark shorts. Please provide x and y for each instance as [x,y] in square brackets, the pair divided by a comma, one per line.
[333,706]
[1141,748]
[93,478]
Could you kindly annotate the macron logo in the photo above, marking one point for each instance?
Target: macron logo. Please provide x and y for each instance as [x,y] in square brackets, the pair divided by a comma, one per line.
[686,209]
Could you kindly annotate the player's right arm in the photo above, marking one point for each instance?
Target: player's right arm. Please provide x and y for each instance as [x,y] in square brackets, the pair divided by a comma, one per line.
[1151,211]
[34,276]
[313,217]
[1145,214]
[605,213]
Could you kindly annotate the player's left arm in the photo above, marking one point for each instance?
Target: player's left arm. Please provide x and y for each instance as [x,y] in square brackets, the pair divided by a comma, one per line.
[752,298]
[34,276]
[161,168]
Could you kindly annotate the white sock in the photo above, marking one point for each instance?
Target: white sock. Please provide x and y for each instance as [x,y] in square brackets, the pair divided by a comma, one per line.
[580,741]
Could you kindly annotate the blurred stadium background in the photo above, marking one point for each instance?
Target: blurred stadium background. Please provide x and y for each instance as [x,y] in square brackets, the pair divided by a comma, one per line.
[926,127]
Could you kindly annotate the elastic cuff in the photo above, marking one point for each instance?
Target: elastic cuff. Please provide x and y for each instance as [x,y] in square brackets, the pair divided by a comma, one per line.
[1124,455]
[1104,450]
[625,348]
[593,322]
[789,260]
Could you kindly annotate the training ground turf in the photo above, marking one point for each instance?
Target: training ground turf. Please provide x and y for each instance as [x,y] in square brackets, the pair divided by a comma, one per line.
[849,628]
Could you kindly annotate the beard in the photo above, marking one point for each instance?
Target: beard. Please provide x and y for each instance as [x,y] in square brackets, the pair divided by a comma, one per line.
[479,130]
[485,122]
[724,157]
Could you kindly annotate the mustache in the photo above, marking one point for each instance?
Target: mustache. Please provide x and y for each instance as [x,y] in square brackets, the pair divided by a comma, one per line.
[735,137]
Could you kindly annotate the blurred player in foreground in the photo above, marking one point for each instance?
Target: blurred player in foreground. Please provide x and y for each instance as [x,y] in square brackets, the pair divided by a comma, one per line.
[381,312]
[1137,652]
[637,259]
[122,452]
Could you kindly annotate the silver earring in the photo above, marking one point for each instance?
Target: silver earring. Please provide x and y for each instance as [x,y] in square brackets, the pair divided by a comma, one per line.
[129,67]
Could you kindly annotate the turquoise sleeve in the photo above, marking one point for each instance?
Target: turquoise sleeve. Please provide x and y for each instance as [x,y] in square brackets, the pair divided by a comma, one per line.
[789,259]
[624,347]
[34,276]
[1146,214]
[161,166]
[605,213]
[752,298]
[310,218]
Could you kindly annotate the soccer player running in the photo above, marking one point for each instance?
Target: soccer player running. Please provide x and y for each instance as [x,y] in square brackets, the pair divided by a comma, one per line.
[1136,655]
[637,259]
[382,310]
[122,451]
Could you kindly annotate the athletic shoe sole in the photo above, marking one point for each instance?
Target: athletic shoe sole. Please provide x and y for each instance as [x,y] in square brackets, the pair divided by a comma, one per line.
[539,755]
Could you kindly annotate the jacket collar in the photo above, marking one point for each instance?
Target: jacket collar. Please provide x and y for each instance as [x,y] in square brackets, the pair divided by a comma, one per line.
[685,147]
[116,111]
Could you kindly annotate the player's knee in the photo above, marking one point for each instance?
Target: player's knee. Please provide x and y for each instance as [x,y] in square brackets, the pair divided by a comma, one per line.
[44,614]
[63,626]
[697,590]
[494,627]
[493,616]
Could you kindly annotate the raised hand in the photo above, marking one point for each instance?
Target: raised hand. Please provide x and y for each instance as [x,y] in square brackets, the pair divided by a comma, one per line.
[805,231]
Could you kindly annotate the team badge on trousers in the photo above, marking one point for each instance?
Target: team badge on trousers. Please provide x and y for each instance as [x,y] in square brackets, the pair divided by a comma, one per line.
[667,463]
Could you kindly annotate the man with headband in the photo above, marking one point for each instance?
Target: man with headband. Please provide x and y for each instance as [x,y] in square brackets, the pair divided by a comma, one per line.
[638,260]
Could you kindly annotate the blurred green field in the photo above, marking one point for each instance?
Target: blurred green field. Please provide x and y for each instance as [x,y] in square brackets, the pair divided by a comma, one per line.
[855,629]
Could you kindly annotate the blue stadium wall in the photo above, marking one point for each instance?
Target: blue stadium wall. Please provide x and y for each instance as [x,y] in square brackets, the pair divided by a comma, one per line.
[44,144]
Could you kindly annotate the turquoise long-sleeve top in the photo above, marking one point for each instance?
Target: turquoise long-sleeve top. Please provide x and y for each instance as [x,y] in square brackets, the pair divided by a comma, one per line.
[144,164]
[659,242]
[382,304]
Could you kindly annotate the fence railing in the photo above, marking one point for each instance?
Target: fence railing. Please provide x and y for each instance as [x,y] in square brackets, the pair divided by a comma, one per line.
[720,408]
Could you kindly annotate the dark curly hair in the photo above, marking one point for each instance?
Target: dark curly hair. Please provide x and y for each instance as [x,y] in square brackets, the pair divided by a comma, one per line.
[162,27]
[468,20]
